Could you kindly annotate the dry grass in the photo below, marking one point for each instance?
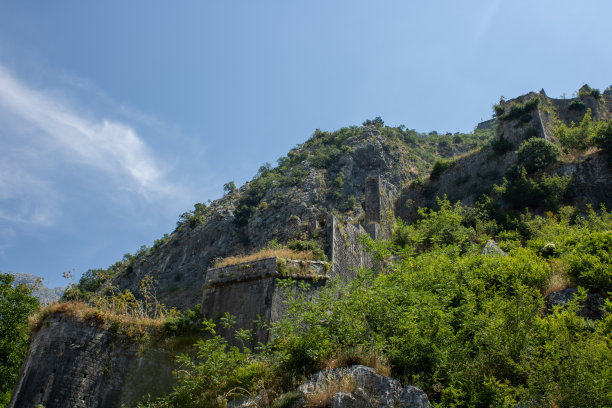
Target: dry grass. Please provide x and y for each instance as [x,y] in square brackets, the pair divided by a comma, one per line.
[559,279]
[358,355]
[266,253]
[134,328]
[321,397]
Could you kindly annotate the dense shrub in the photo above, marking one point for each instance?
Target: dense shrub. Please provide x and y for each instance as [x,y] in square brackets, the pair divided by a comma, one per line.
[603,136]
[435,228]
[587,91]
[543,192]
[440,166]
[536,153]
[468,328]
[16,304]
[501,146]
[516,110]
[590,263]
[576,104]
[577,138]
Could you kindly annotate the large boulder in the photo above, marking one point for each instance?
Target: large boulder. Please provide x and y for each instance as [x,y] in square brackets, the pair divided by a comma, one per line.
[360,387]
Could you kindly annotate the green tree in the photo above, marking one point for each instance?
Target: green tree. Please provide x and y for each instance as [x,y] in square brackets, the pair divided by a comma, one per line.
[16,304]
[537,153]
[229,187]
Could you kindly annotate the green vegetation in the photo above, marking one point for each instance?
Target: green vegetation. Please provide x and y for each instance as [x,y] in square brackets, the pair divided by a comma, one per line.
[576,104]
[589,133]
[440,166]
[541,191]
[16,304]
[537,153]
[587,91]
[470,329]
[603,136]
[501,146]
[517,110]
[576,137]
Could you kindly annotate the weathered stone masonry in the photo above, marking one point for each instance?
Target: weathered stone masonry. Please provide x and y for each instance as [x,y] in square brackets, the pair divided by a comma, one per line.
[73,363]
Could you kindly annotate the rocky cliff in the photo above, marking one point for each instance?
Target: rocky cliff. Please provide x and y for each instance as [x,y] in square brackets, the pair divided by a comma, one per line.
[327,173]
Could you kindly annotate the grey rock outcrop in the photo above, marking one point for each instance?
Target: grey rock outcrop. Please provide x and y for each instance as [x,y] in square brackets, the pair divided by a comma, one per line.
[591,307]
[491,248]
[371,389]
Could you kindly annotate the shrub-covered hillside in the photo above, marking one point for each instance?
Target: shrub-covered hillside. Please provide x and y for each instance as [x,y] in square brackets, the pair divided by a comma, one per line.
[284,202]
[452,313]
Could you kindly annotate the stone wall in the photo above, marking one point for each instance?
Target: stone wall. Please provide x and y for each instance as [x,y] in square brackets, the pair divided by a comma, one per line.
[253,291]
[74,363]
[346,252]
[378,205]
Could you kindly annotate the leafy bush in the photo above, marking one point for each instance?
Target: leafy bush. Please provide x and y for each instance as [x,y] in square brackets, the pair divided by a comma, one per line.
[590,263]
[229,187]
[377,121]
[587,91]
[435,228]
[537,153]
[544,192]
[440,166]
[574,137]
[501,146]
[468,328]
[603,136]
[16,304]
[576,104]
[516,110]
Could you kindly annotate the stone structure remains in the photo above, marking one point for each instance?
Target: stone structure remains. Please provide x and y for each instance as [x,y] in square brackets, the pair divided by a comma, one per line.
[73,363]
[378,209]
[253,292]
[76,363]
[472,175]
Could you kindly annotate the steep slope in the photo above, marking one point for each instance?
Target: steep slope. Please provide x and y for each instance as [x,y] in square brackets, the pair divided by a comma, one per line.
[290,201]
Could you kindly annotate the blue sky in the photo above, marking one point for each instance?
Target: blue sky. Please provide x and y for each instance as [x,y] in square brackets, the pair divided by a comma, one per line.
[118,116]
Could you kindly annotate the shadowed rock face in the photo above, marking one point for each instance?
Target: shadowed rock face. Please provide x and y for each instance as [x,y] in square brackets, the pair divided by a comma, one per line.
[73,363]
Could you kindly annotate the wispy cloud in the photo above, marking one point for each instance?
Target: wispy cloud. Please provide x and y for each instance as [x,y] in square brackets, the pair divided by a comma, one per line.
[45,132]
[487,18]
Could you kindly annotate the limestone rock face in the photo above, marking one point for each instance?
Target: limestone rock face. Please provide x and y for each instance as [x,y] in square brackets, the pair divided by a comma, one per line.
[371,389]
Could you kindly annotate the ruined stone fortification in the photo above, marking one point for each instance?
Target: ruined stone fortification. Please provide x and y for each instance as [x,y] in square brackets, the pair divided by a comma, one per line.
[253,292]
[476,173]
[179,265]
[74,363]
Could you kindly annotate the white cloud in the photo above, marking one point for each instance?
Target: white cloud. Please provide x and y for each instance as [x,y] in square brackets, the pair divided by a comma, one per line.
[44,134]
